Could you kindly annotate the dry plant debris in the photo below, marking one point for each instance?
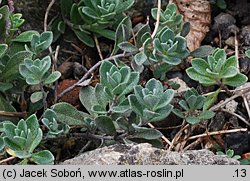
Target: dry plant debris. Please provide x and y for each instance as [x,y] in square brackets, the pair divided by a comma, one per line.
[198,14]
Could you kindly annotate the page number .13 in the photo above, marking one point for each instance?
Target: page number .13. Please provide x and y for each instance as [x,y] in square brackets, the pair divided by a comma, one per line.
[240,173]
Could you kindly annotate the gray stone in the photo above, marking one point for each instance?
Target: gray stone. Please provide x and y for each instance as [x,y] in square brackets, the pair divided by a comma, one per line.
[145,154]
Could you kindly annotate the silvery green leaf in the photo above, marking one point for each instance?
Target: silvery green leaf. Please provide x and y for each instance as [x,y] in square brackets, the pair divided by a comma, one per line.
[105,33]
[61,27]
[131,83]
[202,51]
[4,86]
[20,140]
[155,86]
[190,92]
[149,115]
[151,101]
[85,38]
[46,37]
[127,47]
[68,114]
[184,105]
[54,76]
[100,95]
[104,68]
[135,105]
[9,129]
[206,81]
[205,115]
[144,29]
[193,120]
[10,71]
[2,144]
[166,35]
[123,123]
[200,66]
[235,81]
[125,5]
[44,157]
[178,113]
[140,58]
[3,49]
[210,100]
[36,96]
[139,94]
[146,133]
[125,72]
[192,102]
[248,53]
[228,72]
[199,102]
[123,33]
[73,12]
[36,141]
[163,113]
[32,81]
[26,36]
[12,144]
[166,98]
[231,61]
[98,109]
[220,56]
[89,12]
[120,109]
[117,77]
[88,98]
[105,124]
[118,90]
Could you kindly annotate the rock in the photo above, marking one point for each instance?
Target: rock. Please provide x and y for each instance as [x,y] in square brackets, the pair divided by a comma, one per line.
[231,106]
[72,97]
[145,154]
[245,35]
[225,23]
[183,86]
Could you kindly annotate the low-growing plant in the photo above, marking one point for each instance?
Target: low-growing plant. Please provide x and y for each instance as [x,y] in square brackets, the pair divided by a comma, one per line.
[22,139]
[216,70]
[54,128]
[99,17]
[192,105]
[122,106]
[229,153]
[248,53]
[169,18]
[151,103]
[119,107]
[219,3]
[12,53]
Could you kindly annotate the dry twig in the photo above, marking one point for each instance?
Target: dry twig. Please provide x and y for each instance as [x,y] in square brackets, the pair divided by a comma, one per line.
[238,116]
[6,160]
[217,133]
[158,19]
[98,47]
[163,137]
[13,114]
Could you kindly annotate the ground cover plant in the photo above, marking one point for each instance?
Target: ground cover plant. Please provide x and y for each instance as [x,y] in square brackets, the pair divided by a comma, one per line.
[126,93]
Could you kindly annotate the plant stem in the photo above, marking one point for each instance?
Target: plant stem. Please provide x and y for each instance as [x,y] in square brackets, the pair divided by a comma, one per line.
[44,97]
